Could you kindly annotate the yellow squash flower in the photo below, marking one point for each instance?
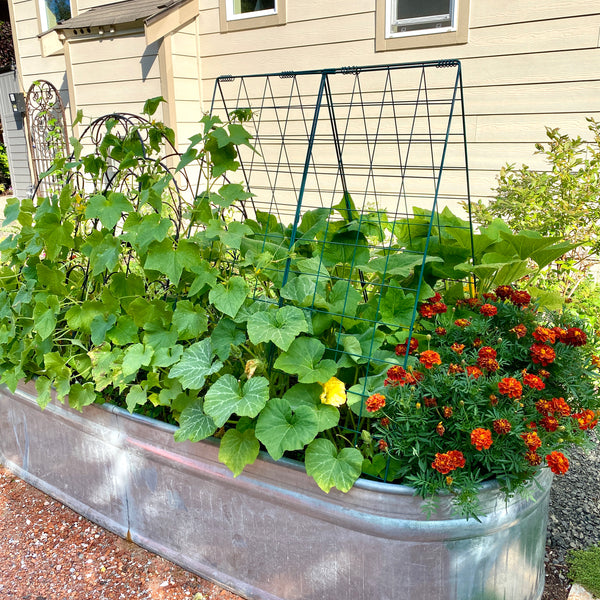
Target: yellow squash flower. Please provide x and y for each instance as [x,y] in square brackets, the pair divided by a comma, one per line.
[334,392]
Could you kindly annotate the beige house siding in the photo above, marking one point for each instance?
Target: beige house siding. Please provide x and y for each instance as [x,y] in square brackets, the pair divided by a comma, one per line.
[526,65]
[186,74]
[114,74]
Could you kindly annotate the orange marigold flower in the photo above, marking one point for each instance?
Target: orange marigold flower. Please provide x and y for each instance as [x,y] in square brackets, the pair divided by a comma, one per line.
[560,407]
[430,358]
[488,310]
[462,322]
[532,440]
[453,369]
[375,402]
[549,423]
[440,331]
[477,342]
[520,298]
[488,364]
[557,462]
[430,402]
[481,438]
[447,411]
[532,425]
[439,308]
[449,480]
[504,291]
[472,302]
[426,311]
[533,381]
[560,333]
[437,297]
[543,334]
[502,426]
[456,456]
[474,372]
[487,352]
[586,419]
[493,399]
[404,346]
[544,407]
[448,461]
[440,429]
[489,296]
[383,445]
[543,373]
[396,375]
[596,361]
[458,348]
[575,337]
[533,458]
[542,354]
[509,386]
[384,422]
[519,330]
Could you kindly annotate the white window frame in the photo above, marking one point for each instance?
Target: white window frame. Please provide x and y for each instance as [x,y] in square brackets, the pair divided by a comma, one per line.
[231,16]
[230,22]
[392,20]
[386,39]
[43,15]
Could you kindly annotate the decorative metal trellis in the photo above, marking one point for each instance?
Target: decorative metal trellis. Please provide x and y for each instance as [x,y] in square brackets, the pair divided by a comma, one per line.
[371,147]
[47,132]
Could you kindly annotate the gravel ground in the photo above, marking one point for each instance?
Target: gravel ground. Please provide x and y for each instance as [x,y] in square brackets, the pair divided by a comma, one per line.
[574,517]
[48,552]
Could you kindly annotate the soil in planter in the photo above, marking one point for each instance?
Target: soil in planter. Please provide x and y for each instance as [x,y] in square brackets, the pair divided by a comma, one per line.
[49,552]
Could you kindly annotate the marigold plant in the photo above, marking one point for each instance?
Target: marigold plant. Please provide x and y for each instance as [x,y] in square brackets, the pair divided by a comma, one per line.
[515,388]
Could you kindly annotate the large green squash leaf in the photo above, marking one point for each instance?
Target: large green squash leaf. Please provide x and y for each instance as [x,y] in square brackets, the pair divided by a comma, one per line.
[227,396]
[280,429]
[330,468]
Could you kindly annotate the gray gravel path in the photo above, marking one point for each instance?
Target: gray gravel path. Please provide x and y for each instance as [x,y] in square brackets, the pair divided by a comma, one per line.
[574,516]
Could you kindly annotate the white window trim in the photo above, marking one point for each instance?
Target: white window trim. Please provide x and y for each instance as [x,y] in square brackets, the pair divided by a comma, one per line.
[252,20]
[231,16]
[385,39]
[43,15]
[391,21]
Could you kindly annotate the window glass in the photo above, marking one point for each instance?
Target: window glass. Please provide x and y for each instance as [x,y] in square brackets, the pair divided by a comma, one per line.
[421,15]
[241,7]
[53,11]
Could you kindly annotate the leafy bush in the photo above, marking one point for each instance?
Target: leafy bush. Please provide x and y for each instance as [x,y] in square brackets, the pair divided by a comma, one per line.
[125,288]
[562,201]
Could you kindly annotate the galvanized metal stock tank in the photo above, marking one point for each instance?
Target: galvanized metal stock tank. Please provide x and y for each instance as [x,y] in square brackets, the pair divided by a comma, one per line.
[271,533]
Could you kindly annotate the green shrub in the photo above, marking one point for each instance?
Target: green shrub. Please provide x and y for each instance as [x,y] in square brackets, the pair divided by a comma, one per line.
[561,201]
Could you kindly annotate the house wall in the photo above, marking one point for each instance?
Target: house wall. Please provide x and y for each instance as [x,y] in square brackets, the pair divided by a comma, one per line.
[113,74]
[526,65]
[187,81]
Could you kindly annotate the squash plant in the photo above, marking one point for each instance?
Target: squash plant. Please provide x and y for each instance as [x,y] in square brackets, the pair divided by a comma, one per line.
[133,286]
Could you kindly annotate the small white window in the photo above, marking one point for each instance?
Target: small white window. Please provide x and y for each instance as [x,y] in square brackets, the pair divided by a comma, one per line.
[245,9]
[53,11]
[415,17]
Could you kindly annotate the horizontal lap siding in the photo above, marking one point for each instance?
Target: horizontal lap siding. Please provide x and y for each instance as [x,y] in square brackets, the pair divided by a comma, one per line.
[527,65]
[186,82]
[113,74]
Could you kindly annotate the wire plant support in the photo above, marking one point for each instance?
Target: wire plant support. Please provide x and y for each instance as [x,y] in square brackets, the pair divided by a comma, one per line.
[354,161]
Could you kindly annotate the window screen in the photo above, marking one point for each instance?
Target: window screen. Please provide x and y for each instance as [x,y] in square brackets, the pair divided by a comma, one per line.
[417,15]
